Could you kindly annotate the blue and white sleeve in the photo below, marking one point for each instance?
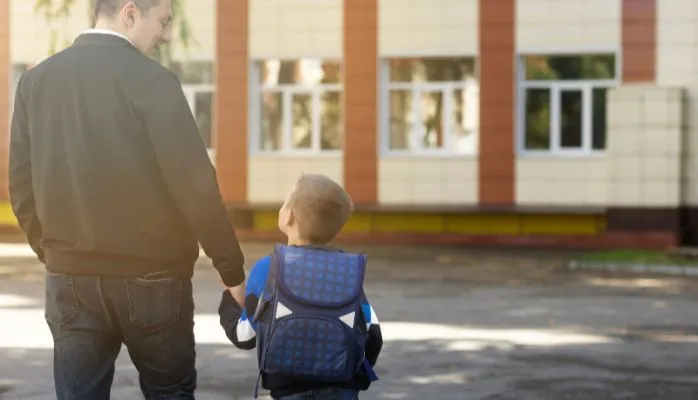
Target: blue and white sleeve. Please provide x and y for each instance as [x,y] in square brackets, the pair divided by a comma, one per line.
[236,321]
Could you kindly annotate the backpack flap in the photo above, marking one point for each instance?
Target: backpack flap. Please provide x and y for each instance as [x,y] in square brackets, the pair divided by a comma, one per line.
[321,278]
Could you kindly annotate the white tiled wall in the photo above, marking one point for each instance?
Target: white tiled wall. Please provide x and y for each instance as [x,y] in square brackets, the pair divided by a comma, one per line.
[645,131]
[294,29]
[421,181]
[565,24]
[677,65]
[427,27]
[562,181]
[269,178]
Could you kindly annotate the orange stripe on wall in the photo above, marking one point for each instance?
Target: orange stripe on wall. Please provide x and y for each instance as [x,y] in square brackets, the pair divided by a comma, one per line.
[361,100]
[639,37]
[230,110]
[497,81]
[5,98]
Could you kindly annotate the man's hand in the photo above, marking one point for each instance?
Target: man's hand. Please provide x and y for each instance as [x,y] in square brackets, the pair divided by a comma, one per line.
[238,293]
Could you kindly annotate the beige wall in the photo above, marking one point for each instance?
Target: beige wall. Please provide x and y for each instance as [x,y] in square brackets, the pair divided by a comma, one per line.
[201,15]
[427,180]
[677,60]
[294,29]
[564,181]
[428,27]
[562,24]
[271,177]
[31,35]
[645,130]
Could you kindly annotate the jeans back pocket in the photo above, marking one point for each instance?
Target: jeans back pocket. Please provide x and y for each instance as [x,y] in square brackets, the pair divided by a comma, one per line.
[154,303]
[61,301]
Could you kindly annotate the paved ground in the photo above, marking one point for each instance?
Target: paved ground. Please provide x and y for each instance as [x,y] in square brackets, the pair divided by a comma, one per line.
[458,324]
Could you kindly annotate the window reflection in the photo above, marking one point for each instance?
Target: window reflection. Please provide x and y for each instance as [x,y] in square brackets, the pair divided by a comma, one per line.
[304,71]
[272,120]
[465,120]
[401,119]
[447,107]
[571,118]
[431,107]
[570,67]
[302,126]
[204,102]
[431,69]
[331,125]
[537,119]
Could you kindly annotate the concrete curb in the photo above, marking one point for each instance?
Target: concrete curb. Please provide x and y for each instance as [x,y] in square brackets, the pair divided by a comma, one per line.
[672,270]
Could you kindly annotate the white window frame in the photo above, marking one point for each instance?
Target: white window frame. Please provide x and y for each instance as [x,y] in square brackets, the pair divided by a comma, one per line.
[287,91]
[190,92]
[446,89]
[556,87]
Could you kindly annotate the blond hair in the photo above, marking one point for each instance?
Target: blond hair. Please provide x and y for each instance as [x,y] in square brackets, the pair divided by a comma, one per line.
[321,207]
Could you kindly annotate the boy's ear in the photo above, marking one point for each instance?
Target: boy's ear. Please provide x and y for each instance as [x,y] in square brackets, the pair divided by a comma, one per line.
[290,217]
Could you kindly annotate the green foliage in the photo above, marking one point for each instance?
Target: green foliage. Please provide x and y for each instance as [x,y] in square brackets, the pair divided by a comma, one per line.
[57,10]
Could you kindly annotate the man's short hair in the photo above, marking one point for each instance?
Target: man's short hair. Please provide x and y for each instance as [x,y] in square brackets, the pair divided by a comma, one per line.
[110,8]
[321,207]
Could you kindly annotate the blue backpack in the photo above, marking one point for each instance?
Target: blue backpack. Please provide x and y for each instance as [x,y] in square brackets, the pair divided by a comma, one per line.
[309,317]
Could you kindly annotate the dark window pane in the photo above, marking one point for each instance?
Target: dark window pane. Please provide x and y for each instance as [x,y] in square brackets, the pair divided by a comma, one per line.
[271,121]
[331,124]
[431,69]
[570,67]
[537,119]
[302,121]
[204,101]
[571,119]
[598,138]
[401,119]
[303,71]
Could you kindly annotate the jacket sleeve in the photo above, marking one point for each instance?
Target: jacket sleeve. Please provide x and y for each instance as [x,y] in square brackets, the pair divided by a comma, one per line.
[238,323]
[21,189]
[375,336]
[189,174]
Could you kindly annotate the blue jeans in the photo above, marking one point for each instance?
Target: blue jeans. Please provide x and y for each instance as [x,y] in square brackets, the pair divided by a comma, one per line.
[90,318]
[325,394]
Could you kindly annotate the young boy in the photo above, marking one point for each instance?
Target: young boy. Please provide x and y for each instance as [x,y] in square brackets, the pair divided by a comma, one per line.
[314,212]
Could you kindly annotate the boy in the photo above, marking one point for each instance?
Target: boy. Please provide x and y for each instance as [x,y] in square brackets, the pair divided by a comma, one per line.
[314,212]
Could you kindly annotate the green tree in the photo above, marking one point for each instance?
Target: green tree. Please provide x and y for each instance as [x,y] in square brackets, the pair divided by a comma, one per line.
[56,10]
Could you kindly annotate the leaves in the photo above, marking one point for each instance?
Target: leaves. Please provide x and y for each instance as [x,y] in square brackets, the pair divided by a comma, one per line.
[56,10]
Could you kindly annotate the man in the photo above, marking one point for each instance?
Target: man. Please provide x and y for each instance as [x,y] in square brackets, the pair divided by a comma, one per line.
[112,185]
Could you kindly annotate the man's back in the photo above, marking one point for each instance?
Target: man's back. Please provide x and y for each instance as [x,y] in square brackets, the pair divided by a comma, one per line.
[104,201]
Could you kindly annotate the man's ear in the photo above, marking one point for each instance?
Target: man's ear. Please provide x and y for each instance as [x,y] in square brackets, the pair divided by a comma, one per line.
[128,13]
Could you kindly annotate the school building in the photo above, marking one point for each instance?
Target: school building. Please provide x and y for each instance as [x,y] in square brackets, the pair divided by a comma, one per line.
[504,122]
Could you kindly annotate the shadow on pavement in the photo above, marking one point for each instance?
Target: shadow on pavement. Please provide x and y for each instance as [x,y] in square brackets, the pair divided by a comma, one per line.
[458,324]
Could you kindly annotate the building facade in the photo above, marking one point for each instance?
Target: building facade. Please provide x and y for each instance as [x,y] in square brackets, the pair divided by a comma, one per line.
[542,122]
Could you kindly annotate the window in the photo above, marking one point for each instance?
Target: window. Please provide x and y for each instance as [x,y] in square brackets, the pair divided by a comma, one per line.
[299,106]
[432,105]
[16,73]
[193,72]
[563,102]
[200,99]
[199,88]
